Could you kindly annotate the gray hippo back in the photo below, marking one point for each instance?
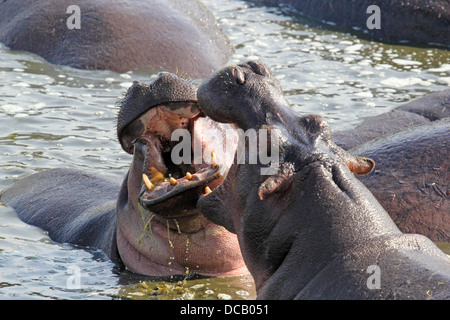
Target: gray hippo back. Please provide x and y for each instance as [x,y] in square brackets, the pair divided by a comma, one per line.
[410,147]
[177,36]
[72,205]
[423,22]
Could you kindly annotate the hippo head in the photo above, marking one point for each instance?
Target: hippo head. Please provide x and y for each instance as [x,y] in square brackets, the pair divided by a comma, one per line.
[149,116]
[310,184]
[249,96]
[160,232]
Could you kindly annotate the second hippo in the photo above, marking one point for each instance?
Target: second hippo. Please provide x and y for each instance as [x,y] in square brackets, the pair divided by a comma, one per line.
[311,230]
[423,22]
[410,145]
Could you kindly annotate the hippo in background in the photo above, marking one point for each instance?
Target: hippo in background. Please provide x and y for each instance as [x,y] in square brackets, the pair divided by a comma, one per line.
[423,22]
[410,145]
[176,36]
[422,111]
[311,230]
[93,210]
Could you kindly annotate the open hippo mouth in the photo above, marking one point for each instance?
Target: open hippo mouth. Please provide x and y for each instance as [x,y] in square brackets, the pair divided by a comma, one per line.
[168,140]
[177,154]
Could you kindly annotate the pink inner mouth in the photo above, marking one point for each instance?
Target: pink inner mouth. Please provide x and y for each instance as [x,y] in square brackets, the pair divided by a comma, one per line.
[164,181]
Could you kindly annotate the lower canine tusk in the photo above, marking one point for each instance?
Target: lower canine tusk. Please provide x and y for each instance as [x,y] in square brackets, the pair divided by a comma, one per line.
[148,184]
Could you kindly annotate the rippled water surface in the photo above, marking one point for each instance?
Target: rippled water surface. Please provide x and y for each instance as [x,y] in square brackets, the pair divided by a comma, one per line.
[54,116]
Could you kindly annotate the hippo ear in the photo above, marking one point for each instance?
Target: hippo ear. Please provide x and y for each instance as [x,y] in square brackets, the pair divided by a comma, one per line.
[360,165]
[277,183]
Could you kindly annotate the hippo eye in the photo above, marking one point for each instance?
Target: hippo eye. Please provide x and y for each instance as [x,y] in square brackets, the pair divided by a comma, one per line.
[239,75]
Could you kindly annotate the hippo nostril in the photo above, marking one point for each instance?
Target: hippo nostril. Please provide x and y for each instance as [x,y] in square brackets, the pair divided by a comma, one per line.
[238,74]
[259,68]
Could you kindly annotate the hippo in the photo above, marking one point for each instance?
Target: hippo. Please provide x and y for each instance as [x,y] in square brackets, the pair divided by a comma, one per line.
[311,230]
[177,36]
[92,210]
[423,22]
[428,109]
[410,146]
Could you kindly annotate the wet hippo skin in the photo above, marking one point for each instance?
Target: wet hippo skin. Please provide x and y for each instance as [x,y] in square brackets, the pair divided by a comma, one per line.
[311,230]
[425,110]
[73,206]
[167,237]
[416,22]
[177,36]
[412,178]
[410,145]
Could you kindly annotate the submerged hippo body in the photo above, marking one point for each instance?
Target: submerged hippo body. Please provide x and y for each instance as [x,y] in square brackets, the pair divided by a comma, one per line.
[177,36]
[423,111]
[96,211]
[311,230]
[417,22]
[73,206]
[412,178]
[410,145]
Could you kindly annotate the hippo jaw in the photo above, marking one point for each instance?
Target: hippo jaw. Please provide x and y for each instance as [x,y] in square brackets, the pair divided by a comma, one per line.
[165,188]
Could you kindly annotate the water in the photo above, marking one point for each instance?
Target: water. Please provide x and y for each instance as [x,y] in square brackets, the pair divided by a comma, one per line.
[55,116]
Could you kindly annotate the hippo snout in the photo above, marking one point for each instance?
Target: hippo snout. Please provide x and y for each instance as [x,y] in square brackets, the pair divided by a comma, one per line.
[242,94]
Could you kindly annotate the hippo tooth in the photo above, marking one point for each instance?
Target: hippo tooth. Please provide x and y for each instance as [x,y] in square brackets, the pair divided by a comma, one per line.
[155,174]
[188,175]
[207,190]
[173,181]
[148,184]
[213,160]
